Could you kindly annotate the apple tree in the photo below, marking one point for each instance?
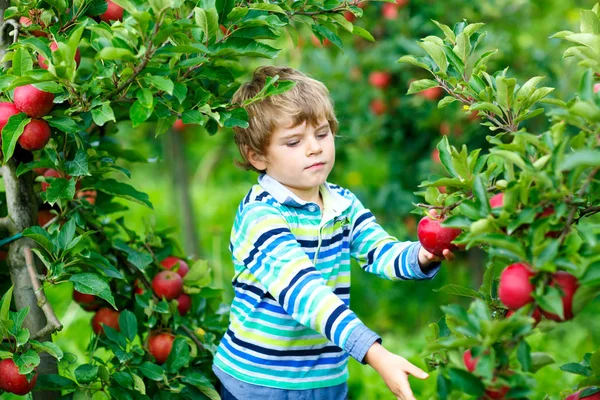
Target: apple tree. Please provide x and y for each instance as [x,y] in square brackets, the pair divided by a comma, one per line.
[529,202]
[73,73]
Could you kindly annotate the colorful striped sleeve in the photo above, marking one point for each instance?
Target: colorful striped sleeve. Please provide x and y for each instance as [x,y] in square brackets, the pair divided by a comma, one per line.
[379,253]
[262,241]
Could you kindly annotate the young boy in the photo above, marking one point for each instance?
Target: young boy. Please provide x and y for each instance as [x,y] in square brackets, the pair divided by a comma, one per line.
[291,330]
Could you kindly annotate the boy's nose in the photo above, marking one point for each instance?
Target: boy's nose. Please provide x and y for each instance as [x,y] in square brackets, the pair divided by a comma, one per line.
[314,146]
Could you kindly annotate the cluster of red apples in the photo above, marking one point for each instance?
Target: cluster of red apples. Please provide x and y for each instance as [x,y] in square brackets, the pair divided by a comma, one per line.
[166,284]
[37,103]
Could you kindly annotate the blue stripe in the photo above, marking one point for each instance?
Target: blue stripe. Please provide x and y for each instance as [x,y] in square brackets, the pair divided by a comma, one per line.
[282,362]
[331,319]
[260,241]
[296,287]
[328,349]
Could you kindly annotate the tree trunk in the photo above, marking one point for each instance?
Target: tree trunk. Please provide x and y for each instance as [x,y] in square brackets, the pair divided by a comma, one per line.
[22,213]
[180,178]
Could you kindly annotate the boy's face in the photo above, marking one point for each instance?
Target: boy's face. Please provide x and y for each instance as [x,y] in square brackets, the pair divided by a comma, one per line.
[300,158]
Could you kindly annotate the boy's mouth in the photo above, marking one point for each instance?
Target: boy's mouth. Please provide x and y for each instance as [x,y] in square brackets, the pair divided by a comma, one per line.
[315,165]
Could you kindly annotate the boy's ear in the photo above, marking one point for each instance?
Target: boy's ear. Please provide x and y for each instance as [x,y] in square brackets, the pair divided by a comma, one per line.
[256,160]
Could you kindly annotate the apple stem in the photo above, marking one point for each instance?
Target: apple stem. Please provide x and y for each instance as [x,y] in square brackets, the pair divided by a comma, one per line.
[192,336]
[52,323]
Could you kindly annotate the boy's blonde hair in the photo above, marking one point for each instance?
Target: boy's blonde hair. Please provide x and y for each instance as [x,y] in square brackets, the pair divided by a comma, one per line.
[307,101]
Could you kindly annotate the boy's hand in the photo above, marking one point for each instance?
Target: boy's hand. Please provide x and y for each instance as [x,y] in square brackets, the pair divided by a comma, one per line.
[394,370]
[426,258]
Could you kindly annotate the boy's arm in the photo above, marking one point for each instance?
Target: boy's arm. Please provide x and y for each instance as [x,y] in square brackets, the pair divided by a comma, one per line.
[263,242]
[382,254]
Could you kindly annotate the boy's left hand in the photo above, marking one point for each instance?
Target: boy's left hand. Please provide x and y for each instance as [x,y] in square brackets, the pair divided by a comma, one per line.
[426,258]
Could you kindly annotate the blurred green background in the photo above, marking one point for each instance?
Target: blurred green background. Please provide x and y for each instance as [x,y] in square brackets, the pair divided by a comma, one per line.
[382,158]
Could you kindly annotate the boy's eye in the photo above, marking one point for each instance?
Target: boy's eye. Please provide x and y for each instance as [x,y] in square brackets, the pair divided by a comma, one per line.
[323,135]
[292,144]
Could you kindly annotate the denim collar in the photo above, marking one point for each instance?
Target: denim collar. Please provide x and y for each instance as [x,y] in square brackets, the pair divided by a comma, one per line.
[332,200]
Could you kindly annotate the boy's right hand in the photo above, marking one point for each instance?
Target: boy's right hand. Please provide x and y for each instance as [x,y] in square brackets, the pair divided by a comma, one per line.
[394,370]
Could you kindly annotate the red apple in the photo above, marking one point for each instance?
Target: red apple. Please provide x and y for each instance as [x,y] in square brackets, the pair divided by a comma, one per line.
[596,87]
[172,261]
[167,284]
[36,135]
[7,110]
[515,286]
[160,345]
[402,3]
[105,316]
[184,303]
[14,382]
[32,101]
[435,156]
[349,16]
[113,12]
[89,195]
[434,238]
[54,47]
[138,288]
[315,41]
[497,394]
[88,302]
[390,11]
[470,362]
[432,94]
[497,200]
[445,128]
[380,79]
[378,106]
[44,216]
[179,125]
[569,285]
[27,22]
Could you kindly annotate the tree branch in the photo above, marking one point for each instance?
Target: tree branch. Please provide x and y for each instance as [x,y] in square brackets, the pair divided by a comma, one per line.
[6,225]
[193,336]
[588,211]
[52,323]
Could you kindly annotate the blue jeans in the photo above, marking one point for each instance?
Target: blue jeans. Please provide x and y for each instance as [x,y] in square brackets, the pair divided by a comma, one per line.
[225,395]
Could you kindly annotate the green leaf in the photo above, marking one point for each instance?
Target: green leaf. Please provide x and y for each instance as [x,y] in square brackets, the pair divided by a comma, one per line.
[41,236]
[86,373]
[198,275]
[103,114]
[524,355]
[161,83]
[450,36]
[540,360]
[89,283]
[124,379]
[421,85]
[413,61]
[575,368]
[60,188]
[485,106]
[11,133]
[26,361]
[79,166]
[243,47]
[54,382]
[152,371]
[64,124]
[66,235]
[551,301]
[445,101]
[466,382]
[115,54]
[459,291]
[120,189]
[179,356]
[581,158]
[21,62]
[363,33]
[436,52]
[138,113]
[48,347]
[194,117]
[128,324]
[328,34]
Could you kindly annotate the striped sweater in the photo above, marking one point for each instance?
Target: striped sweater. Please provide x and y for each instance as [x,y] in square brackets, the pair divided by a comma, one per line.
[290,323]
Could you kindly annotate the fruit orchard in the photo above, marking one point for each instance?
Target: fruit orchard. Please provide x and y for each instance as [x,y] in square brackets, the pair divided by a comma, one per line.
[91,89]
